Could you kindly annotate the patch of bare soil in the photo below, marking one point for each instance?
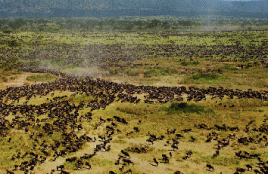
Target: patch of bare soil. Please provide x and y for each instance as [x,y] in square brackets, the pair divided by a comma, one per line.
[20,80]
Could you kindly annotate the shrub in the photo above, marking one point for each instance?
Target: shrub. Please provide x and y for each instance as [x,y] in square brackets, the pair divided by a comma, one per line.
[206,78]
[189,63]
[13,43]
[185,108]
[228,67]
[134,72]
[4,79]
[42,77]
[113,71]
[158,71]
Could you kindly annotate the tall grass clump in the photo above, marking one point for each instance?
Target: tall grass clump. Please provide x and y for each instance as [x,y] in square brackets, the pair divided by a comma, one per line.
[42,77]
[186,108]
[209,77]
[230,68]
[134,72]
[158,71]
[189,63]
[223,161]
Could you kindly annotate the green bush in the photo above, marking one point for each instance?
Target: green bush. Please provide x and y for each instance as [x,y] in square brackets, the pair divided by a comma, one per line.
[43,77]
[113,71]
[158,71]
[209,77]
[186,108]
[189,63]
[134,72]
[224,161]
[13,43]
[228,67]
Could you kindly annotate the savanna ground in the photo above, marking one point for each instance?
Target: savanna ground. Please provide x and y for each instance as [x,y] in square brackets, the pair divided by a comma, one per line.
[232,60]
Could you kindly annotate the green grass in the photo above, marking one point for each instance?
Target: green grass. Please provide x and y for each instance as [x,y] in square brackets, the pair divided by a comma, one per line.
[42,77]
[223,161]
[206,78]
[134,71]
[186,108]
[230,68]
[94,161]
[189,63]
[120,141]
[156,118]
[158,71]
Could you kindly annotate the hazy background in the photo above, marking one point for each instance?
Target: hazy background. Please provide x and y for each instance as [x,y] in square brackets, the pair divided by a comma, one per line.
[104,8]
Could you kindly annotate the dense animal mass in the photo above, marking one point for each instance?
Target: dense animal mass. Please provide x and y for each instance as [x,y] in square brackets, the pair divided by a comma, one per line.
[64,119]
[78,123]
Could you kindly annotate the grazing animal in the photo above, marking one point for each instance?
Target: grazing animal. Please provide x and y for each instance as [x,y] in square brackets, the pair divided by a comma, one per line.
[210,167]
[88,165]
[192,139]
[128,161]
[239,169]
[156,162]
[60,167]
[150,141]
[174,146]
[256,171]
[9,172]
[125,153]
[165,158]
[128,171]
[179,136]
[186,130]
[216,154]
[64,172]
[249,167]
[178,172]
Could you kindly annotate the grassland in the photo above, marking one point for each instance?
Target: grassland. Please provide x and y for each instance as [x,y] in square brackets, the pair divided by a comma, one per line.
[233,60]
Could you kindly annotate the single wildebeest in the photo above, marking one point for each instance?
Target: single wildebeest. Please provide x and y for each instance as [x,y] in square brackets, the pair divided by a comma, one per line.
[210,167]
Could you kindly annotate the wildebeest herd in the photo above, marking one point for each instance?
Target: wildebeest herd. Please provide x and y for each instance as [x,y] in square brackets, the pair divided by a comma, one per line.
[64,118]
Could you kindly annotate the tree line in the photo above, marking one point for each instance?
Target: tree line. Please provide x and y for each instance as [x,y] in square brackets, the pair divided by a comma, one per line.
[120,24]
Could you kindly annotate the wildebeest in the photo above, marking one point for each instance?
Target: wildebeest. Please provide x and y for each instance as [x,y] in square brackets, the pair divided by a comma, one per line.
[210,167]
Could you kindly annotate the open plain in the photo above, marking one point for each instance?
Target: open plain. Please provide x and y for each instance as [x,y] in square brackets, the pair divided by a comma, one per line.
[134,102]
